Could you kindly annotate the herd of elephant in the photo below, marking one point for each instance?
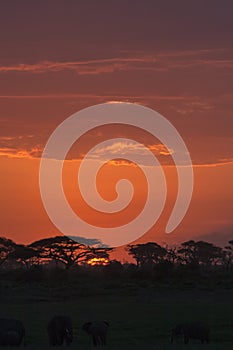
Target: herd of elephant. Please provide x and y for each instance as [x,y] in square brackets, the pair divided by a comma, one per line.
[59,329]
[60,332]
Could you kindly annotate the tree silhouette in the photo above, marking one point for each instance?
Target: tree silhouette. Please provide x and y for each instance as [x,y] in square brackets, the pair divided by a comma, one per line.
[7,246]
[199,253]
[228,254]
[147,254]
[67,251]
[171,255]
[25,255]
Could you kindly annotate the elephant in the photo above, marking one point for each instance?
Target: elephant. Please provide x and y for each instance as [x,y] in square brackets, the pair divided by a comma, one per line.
[12,332]
[60,331]
[191,330]
[98,331]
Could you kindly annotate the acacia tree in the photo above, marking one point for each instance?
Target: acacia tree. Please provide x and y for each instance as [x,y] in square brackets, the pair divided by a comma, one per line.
[199,253]
[7,246]
[147,254]
[24,255]
[228,254]
[67,251]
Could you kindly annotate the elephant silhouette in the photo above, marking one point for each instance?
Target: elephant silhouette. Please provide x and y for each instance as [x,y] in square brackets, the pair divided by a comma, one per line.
[12,332]
[191,330]
[98,331]
[60,331]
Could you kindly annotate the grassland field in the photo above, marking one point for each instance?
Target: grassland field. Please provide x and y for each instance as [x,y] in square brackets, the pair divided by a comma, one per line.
[140,318]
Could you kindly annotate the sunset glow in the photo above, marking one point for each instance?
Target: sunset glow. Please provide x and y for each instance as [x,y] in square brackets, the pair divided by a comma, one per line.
[98,261]
[49,72]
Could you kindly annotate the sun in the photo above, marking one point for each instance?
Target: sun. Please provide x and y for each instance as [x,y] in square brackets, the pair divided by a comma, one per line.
[98,261]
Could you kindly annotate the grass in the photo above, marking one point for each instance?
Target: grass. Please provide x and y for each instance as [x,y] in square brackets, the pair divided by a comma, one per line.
[139,319]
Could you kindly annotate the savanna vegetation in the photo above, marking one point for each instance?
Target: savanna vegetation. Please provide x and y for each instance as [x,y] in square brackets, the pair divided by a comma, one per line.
[142,300]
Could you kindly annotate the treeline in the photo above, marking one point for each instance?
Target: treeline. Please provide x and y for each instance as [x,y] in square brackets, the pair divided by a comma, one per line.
[61,250]
[62,260]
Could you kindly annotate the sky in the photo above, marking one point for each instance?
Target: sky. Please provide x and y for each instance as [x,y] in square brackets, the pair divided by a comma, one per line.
[175,57]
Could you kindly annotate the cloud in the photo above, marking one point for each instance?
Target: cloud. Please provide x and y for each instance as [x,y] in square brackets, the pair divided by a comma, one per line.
[32,153]
[162,61]
[25,147]
[219,162]
[222,236]
[121,148]
[91,242]
[194,107]
[120,151]
[81,67]
[36,151]
[20,146]
[108,98]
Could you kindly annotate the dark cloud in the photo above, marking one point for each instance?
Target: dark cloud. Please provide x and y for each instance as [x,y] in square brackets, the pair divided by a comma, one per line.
[91,242]
[220,238]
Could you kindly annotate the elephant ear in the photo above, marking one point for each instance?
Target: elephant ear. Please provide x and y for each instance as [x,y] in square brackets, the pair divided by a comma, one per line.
[107,323]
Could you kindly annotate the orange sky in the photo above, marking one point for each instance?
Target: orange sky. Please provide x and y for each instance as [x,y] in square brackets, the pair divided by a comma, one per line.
[24,219]
[80,56]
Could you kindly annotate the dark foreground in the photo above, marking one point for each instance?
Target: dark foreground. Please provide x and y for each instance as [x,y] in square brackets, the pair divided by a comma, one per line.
[139,317]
